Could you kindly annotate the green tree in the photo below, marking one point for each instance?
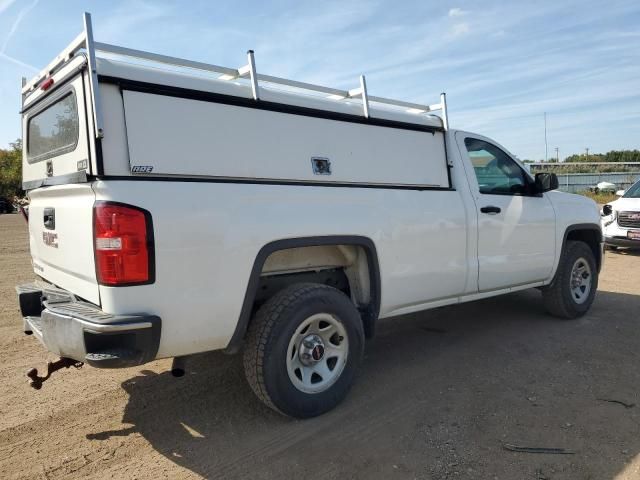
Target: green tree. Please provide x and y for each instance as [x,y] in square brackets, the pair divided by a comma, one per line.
[619,156]
[11,170]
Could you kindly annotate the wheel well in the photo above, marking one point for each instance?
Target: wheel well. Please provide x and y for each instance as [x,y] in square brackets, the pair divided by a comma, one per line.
[347,263]
[592,237]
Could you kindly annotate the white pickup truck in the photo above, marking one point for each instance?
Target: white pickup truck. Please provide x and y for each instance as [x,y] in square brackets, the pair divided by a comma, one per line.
[179,207]
[621,219]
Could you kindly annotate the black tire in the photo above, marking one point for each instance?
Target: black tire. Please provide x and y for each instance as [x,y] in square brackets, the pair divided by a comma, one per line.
[268,342]
[558,298]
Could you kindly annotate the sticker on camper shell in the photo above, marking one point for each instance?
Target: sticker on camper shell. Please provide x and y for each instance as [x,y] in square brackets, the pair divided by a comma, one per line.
[142,169]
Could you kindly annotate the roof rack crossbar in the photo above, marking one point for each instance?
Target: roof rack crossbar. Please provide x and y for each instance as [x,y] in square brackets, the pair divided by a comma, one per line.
[85,40]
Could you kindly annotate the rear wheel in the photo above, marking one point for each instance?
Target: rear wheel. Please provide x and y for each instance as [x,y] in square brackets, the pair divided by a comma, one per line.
[303,349]
[573,289]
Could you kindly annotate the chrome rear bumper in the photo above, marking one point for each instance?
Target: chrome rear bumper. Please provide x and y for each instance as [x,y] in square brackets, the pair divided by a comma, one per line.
[79,330]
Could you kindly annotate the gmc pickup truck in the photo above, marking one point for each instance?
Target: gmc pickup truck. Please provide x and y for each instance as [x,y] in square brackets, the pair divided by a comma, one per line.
[178,207]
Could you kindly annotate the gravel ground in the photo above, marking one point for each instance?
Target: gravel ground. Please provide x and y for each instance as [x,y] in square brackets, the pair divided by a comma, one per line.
[440,394]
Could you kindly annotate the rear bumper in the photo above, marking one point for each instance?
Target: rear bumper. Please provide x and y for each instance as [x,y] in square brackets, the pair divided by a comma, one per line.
[71,328]
[622,242]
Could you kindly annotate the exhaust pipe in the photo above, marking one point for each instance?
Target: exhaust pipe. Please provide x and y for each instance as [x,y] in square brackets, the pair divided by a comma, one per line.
[178,366]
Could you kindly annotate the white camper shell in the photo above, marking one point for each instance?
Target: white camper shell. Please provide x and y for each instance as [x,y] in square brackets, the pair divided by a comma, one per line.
[179,207]
[230,122]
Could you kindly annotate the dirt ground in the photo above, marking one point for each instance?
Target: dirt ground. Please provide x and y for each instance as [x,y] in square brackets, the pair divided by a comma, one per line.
[440,394]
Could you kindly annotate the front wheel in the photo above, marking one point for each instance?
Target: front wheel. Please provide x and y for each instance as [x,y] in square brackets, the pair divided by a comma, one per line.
[303,349]
[574,286]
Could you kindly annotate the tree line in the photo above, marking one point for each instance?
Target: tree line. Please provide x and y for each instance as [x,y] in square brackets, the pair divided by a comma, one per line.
[11,171]
[619,156]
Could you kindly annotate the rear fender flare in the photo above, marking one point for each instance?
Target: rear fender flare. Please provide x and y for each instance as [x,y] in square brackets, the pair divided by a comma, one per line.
[369,315]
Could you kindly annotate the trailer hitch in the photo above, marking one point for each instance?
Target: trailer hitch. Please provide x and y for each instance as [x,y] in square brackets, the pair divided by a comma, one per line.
[36,382]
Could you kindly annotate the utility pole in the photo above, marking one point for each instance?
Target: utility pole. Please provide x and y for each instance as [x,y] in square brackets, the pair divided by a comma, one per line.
[587,152]
[557,155]
[546,151]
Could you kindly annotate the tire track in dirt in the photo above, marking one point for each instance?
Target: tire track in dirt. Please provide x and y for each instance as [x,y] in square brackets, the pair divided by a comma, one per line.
[430,402]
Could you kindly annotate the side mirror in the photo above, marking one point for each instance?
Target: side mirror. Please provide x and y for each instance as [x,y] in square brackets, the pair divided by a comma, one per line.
[546,182]
[620,193]
[607,210]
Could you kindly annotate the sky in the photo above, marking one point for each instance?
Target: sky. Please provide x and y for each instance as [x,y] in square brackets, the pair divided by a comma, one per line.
[501,63]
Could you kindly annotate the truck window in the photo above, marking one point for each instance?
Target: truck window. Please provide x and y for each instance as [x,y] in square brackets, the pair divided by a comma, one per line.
[496,172]
[54,130]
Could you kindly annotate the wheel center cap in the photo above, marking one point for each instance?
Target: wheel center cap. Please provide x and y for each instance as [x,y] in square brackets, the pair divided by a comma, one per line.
[311,349]
[317,353]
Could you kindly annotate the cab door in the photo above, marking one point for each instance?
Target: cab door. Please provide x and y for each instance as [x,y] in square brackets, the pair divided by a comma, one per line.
[516,226]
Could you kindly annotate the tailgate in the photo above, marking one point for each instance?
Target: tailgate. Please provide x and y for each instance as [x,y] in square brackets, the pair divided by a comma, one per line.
[61,238]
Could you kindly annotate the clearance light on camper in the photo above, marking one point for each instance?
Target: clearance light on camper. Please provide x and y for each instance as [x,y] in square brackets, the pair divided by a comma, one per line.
[123,244]
[46,84]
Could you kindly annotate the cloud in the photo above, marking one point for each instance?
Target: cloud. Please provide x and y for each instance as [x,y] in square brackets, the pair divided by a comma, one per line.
[460,29]
[133,16]
[15,61]
[16,24]
[457,12]
[4,4]
[502,65]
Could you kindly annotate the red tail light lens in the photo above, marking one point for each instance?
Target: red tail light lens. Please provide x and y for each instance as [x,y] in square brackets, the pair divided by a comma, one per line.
[123,237]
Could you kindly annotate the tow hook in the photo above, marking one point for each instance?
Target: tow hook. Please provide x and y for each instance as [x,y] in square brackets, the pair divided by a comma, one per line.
[36,382]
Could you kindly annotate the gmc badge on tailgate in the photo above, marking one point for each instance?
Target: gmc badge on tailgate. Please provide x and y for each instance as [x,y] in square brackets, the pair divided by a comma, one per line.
[50,239]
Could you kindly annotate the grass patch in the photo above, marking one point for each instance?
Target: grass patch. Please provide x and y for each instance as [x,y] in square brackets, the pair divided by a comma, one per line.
[600,197]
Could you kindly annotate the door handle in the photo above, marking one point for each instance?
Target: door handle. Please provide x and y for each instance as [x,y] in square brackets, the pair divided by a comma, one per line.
[491,210]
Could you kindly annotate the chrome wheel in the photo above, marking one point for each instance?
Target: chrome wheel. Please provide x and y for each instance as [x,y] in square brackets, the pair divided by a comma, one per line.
[581,280]
[317,353]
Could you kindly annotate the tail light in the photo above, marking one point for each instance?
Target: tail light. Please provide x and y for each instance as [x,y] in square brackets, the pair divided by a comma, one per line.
[123,237]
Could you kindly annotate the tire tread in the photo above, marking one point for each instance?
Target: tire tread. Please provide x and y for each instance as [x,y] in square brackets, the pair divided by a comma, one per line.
[261,329]
[554,295]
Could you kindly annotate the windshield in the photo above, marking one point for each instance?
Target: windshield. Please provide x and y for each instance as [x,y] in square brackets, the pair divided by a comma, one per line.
[633,192]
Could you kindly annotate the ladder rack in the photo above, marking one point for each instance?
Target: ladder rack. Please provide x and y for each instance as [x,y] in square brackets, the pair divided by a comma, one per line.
[85,42]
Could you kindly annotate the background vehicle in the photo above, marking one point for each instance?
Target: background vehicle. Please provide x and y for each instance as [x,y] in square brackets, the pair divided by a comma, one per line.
[307,219]
[604,187]
[621,219]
